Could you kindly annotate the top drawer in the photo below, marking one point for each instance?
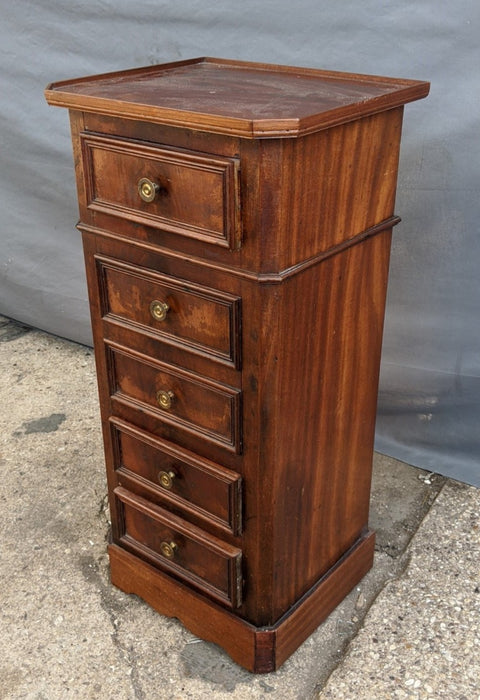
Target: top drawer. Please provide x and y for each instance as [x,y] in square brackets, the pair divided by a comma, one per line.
[179,191]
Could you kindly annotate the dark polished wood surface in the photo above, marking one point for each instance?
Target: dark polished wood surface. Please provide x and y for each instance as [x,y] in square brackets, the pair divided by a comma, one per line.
[238,320]
[246,99]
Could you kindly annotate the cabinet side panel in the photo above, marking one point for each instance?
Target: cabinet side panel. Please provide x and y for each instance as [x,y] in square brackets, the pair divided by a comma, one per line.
[103,378]
[77,125]
[326,188]
[320,395]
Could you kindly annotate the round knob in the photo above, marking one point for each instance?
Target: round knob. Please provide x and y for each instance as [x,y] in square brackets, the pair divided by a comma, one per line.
[166,479]
[147,189]
[168,549]
[159,310]
[165,399]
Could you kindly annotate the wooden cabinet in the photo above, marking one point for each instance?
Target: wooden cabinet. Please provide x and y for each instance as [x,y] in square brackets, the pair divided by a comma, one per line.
[236,221]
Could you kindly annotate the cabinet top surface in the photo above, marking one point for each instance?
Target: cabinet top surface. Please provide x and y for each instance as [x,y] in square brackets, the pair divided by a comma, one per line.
[238,98]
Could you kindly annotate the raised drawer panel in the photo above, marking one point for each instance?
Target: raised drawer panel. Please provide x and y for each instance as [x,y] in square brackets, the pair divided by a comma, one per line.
[188,552]
[179,398]
[195,195]
[176,311]
[178,477]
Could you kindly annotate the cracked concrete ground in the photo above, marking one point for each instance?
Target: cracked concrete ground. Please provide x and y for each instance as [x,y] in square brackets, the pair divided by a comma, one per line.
[409,630]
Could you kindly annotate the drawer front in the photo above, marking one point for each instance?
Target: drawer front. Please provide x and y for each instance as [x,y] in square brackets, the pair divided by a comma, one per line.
[177,477]
[193,555]
[193,194]
[176,311]
[179,398]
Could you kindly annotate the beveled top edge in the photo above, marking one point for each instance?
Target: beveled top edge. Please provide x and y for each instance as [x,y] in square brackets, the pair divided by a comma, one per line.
[238,98]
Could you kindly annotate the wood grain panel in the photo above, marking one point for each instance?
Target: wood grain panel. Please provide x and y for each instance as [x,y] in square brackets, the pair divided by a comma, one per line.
[318,413]
[200,405]
[199,318]
[198,487]
[197,197]
[325,189]
[202,560]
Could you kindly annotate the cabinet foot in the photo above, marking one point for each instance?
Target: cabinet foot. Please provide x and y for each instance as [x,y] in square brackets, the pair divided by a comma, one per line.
[258,649]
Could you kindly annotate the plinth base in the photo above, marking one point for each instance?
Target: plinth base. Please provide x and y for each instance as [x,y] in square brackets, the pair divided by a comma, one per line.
[258,649]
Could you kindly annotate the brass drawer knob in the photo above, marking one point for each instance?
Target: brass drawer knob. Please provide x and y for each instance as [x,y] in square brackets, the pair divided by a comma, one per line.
[166,479]
[159,310]
[168,549]
[147,189]
[165,399]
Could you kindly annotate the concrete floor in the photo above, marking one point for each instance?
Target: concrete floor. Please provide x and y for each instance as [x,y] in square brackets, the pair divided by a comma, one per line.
[411,629]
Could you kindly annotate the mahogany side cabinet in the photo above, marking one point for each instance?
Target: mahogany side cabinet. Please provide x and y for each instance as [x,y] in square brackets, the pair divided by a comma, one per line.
[236,221]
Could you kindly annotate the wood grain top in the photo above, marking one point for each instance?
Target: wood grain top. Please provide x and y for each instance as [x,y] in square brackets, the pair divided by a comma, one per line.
[251,100]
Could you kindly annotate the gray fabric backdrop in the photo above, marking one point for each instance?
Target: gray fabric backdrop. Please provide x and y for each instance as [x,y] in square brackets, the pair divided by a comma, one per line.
[429,401]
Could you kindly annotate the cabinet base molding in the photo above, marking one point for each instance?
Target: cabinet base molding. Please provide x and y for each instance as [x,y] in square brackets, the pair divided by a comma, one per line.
[258,649]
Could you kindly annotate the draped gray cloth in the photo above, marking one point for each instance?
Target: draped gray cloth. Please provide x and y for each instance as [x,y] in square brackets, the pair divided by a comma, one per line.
[429,402]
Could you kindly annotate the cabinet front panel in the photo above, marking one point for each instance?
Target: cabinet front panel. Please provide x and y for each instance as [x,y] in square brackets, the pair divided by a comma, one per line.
[176,311]
[177,477]
[186,551]
[176,190]
[177,397]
